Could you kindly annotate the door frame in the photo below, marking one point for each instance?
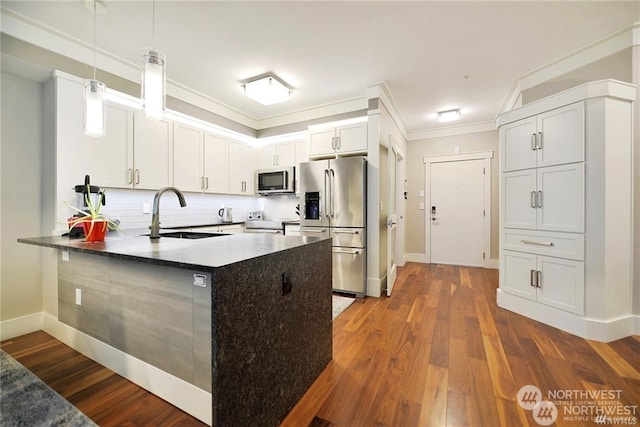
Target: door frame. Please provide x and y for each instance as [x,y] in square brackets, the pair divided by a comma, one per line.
[487,156]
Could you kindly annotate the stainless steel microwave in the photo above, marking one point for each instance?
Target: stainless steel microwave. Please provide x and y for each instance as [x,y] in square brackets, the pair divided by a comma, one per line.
[276,181]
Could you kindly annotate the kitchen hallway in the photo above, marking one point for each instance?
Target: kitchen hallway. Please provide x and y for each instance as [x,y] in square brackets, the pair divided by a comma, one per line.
[438,352]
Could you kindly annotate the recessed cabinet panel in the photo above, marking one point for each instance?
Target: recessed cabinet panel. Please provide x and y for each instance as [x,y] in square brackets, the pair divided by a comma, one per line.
[561,198]
[110,157]
[516,274]
[561,283]
[187,158]
[152,153]
[562,136]
[518,208]
[216,164]
[518,145]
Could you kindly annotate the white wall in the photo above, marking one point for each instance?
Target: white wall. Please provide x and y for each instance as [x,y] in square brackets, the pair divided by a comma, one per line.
[21,182]
[417,150]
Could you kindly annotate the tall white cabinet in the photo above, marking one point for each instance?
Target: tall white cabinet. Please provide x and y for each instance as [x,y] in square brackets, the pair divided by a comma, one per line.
[565,210]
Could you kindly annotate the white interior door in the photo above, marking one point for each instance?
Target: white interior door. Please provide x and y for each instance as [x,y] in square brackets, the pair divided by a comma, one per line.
[392,222]
[457,212]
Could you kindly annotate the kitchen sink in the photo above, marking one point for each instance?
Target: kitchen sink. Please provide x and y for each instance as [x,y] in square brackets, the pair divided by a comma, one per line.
[189,234]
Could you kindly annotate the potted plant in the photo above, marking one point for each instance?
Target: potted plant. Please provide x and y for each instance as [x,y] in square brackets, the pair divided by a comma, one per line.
[95,225]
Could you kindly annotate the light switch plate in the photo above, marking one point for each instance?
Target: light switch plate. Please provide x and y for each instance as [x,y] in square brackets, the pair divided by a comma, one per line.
[421,206]
[78,296]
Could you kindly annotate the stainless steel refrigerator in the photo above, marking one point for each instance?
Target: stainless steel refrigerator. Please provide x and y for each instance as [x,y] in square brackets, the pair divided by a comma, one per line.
[333,200]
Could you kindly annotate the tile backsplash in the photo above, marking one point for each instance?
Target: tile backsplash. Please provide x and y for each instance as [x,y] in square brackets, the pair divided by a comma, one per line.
[128,206]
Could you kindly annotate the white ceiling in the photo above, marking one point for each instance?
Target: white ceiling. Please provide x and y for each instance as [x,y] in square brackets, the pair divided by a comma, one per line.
[431,55]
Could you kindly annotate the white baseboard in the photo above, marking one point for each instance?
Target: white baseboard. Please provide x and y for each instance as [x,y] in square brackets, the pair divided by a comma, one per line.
[591,329]
[21,325]
[176,391]
[413,257]
[374,287]
[493,263]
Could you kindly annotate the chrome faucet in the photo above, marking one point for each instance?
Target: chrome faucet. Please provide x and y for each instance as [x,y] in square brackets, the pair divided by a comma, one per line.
[155,218]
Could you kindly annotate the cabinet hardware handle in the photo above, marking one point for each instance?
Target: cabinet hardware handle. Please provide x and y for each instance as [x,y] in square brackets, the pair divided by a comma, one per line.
[539,199]
[137,176]
[539,141]
[532,276]
[277,159]
[533,141]
[533,199]
[202,182]
[532,242]
[538,279]
[346,251]
[338,142]
[206,183]
[274,160]
[333,142]
[346,232]
[307,230]
[129,176]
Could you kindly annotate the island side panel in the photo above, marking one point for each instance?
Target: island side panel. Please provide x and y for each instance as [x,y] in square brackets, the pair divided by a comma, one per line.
[268,348]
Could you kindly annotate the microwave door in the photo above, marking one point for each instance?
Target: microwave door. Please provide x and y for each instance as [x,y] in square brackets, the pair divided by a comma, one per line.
[314,191]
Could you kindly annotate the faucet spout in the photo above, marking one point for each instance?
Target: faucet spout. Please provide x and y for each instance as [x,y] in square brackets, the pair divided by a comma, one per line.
[155,218]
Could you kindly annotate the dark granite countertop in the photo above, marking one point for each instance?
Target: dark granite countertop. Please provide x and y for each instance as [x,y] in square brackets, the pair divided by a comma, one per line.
[212,252]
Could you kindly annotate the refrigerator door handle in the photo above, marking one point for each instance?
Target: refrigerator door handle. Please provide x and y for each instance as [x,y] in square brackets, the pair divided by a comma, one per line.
[331,190]
[326,194]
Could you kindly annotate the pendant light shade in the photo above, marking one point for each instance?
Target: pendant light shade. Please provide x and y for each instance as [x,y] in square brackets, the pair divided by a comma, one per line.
[95,108]
[153,83]
[95,95]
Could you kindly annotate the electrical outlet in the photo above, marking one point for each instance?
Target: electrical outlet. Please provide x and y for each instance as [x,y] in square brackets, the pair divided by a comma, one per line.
[78,296]
[146,208]
[65,255]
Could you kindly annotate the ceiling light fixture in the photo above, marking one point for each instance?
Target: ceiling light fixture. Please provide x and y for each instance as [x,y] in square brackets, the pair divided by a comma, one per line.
[267,89]
[95,100]
[153,81]
[448,115]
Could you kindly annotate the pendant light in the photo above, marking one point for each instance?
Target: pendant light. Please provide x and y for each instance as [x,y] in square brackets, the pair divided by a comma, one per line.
[153,81]
[95,99]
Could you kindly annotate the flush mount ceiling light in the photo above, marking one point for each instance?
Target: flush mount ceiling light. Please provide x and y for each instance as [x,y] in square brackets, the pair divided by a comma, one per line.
[95,99]
[267,89]
[153,81]
[448,115]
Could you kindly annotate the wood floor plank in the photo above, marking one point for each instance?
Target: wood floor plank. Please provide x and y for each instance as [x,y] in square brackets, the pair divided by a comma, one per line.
[438,352]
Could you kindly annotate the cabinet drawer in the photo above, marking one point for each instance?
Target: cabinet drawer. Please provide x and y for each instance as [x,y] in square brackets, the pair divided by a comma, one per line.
[563,245]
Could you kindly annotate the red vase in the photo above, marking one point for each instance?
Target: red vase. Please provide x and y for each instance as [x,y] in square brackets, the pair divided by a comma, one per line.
[96,233]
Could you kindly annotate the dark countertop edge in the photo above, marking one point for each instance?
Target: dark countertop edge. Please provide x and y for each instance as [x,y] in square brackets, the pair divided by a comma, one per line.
[120,241]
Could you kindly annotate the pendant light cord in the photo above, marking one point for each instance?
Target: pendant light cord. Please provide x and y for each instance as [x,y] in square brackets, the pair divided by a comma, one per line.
[94,38]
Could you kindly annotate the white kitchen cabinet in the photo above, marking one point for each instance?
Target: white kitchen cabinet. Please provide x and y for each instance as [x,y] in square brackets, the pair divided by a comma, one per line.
[566,210]
[281,154]
[216,164]
[552,281]
[549,198]
[551,138]
[188,165]
[345,139]
[152,153]
[241,168]
[109,157]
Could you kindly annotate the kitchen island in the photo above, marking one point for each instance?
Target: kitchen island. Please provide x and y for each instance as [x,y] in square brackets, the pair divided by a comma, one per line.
[245,317]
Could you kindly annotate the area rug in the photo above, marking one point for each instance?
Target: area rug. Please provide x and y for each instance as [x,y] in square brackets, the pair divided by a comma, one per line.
[26,401]
[340,304]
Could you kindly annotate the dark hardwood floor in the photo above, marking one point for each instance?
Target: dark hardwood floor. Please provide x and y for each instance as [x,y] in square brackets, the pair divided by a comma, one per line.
[438,352]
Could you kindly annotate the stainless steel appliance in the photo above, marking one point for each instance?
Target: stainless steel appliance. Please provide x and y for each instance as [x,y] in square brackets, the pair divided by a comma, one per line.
[276,181]
[225,215]
[333,202]
[273,226]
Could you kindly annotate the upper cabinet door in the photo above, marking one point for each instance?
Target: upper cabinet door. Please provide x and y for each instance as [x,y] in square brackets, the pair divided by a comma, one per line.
[518,149]
[216,164]
[561,198]
[110,158]
[187,158]
[152,153]
[518,195]
[351,138]
[322,141]
[561,134]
